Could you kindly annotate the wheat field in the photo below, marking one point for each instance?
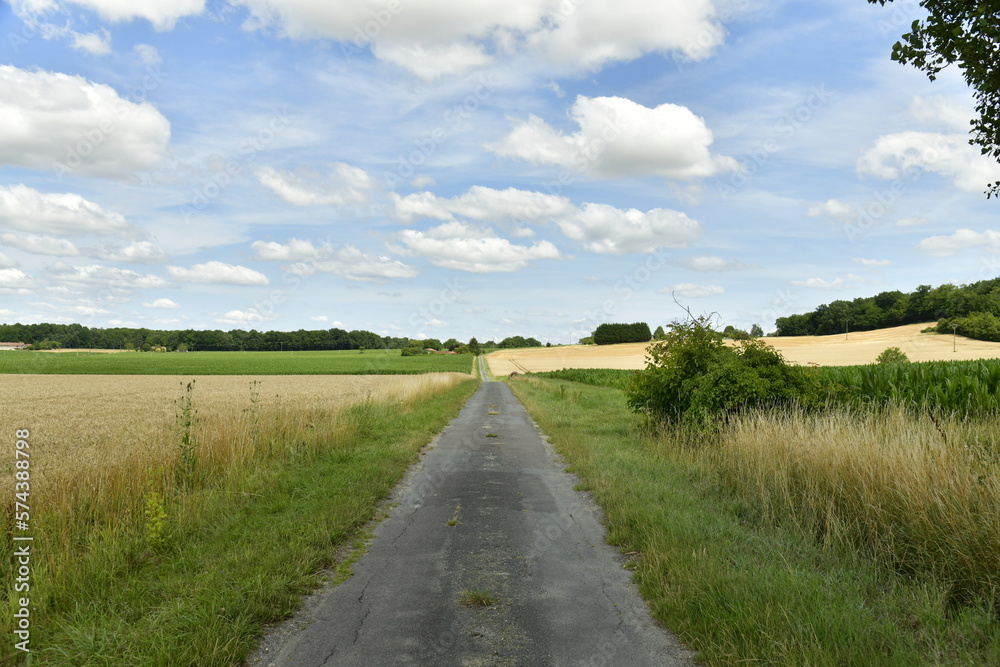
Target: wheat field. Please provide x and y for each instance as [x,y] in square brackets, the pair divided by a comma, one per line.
[99,442]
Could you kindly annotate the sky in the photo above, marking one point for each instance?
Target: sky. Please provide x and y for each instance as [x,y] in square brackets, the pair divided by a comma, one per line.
[488,168]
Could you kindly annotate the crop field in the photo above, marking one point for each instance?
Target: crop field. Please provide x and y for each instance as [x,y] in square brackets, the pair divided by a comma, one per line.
[121,467]
[333,362]
[856,348]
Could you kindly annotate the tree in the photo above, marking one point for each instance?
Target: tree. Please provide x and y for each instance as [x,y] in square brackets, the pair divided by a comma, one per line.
[756,331]
[659,334]
[474,346]
[451,344]
[966,33]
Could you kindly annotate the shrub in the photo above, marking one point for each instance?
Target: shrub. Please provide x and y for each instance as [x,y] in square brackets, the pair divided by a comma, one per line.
[693,376]
[892,355]
[412,351]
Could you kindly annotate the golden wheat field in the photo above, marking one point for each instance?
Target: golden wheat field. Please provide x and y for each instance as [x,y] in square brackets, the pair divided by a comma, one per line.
[95,436]
[838,350]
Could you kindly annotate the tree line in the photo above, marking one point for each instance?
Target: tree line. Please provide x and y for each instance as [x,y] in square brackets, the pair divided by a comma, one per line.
[895,308]
[47,336]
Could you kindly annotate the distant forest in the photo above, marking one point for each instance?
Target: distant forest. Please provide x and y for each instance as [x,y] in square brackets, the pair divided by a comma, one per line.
[974,309]
[48,336]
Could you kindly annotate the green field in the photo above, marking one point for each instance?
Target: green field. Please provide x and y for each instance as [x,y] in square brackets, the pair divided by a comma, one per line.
[332,362]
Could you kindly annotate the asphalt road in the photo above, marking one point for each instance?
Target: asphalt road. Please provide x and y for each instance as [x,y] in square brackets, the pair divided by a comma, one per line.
[522,534]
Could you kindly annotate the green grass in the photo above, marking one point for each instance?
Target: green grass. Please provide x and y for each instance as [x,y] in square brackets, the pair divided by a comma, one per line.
[739,590]
[477,597]
[597,377]
[335,362]
[239,553]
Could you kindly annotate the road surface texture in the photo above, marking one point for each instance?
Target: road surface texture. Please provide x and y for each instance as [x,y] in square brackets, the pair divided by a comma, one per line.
[522,534]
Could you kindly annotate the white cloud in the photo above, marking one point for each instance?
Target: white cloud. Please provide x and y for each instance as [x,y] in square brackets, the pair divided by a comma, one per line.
[293,251]
[218,273]
[708,263]
[93,43]
[162,303]
[911,222]
[693,290]
[40,245]
[481,204]
[6,262]
[462,247]
[872,262]
[344,185]
[14,279]
[820,283]
[619,138]
[353,264]
[833,208]
[962,239]
[147,54]
[163,14]
[606,229]
[29,210]
[435,38]
[245,317]
[904,154]
[66,124]
[940,110]
[422,181]
[319,318]
[104,276]
[139,252]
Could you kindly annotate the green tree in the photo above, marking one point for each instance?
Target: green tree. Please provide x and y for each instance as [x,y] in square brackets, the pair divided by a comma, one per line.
[474,346]
[966,33]
[659,334]
[756,331]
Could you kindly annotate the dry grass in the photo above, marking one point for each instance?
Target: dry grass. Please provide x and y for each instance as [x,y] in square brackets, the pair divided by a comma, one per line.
[920,495]
[99,444]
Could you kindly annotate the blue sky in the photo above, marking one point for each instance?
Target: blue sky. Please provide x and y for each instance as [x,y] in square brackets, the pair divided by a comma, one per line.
[427,168]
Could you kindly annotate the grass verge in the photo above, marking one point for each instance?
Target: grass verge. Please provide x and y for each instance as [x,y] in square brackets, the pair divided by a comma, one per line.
[234,554]
[734,587]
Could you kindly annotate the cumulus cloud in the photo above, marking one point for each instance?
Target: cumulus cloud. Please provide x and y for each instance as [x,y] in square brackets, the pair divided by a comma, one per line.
[872,262]
[26,209]
[351,263]
[245,317]
[147,54]
[599,227]
[67,124]
[820,283]
[693,290]
[96,275]
[619,138]
[40,245]
[463,247]
[163,14]
[293,251]
[6,262]
[14,279]
[218,273]
[436,38]
[139,252]
[962,239]
[93,43]
[708,263]
[344,185]
[833,208]
[481,204]
[162,303]
[904,154]
[911,222]
[606,229]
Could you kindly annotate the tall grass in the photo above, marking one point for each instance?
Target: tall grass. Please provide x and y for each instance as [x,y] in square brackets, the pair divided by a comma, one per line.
[919,494]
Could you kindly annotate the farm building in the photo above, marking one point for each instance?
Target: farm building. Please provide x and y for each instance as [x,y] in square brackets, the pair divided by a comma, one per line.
[12,346]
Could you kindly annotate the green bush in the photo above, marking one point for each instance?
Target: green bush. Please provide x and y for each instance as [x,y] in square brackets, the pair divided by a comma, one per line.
[693,376]
[892,355]
[412,351]
[980,326]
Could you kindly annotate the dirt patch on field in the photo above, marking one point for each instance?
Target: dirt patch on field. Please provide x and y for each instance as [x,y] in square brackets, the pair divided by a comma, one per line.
[838,350]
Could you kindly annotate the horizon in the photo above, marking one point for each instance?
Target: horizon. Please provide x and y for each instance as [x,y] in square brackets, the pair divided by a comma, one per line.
[426,170]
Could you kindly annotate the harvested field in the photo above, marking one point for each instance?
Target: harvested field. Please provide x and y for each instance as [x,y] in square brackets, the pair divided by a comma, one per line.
[839,350]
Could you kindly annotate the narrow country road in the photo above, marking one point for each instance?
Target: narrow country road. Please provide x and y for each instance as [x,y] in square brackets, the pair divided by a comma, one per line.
[522,534]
